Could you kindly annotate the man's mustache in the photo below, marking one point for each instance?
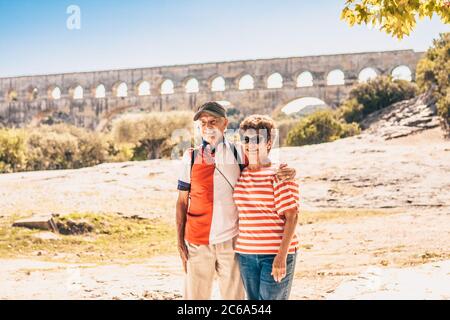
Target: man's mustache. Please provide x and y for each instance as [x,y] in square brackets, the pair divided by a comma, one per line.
[211,132]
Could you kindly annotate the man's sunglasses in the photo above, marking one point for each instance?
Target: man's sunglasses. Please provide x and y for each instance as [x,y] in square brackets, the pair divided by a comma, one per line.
[254,139]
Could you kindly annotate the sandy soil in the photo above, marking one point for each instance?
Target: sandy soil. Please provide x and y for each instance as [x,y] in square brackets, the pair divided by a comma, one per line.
[409,176]
[428,281]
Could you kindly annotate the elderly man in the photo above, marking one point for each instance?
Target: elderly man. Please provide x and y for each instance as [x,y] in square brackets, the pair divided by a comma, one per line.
[206,216]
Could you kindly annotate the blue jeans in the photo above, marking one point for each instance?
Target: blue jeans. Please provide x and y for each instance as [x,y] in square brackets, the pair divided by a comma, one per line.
[259,283]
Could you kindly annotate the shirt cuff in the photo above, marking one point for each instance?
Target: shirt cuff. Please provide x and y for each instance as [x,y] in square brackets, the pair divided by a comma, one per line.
[183,186]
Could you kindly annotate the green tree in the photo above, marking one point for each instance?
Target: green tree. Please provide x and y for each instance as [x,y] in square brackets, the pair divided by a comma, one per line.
[433,73]
[395,17]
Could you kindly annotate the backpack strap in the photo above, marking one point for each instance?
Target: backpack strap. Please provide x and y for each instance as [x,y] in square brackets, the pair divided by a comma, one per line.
[237,156]
[194,153]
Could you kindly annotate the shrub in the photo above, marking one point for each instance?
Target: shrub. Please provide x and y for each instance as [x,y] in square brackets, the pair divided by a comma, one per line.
[321,126]
[119,152]
[150,133]
[64,147]
[51,150]
[433,73]
[12,150]
[351,111]
[374,95]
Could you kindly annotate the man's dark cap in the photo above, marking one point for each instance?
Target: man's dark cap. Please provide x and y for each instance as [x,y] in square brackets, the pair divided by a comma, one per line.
[213,108]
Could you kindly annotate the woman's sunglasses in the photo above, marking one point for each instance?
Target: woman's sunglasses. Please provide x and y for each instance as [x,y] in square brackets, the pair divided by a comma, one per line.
[257,139]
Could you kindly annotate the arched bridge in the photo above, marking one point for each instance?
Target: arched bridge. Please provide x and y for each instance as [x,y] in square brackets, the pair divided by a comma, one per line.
[88,99]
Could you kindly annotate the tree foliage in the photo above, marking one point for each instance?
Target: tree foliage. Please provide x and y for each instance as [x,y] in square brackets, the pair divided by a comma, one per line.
[374,95]
[395,17]
[433,73]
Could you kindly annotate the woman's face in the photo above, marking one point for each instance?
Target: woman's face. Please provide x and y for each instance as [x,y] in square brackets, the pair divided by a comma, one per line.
[256,145]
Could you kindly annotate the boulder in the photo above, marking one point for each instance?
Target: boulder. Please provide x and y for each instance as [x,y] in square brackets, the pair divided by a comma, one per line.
[37,222]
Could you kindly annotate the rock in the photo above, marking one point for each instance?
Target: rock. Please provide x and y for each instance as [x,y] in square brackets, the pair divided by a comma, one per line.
[37,222]
[403,118]
[71,227]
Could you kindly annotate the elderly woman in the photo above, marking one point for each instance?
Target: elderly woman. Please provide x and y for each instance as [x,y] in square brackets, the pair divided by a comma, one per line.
[268,213]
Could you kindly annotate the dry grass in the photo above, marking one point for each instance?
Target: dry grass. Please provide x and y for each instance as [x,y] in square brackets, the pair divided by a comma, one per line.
[114,238]
[341,215]
[426,257]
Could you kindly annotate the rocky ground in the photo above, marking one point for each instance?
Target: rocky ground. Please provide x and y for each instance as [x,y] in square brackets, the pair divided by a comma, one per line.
[403,118]
[401,253]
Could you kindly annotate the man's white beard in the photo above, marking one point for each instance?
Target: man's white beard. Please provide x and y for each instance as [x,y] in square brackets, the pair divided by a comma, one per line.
[213,135]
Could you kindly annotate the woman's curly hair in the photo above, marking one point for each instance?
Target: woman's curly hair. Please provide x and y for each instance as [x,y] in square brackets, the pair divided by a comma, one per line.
[258,122]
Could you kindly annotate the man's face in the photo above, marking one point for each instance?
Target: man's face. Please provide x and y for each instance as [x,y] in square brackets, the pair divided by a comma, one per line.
[212,127]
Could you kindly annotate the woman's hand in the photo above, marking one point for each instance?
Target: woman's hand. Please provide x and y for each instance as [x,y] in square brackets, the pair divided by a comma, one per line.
[279,267]
[184,254]
[285,173]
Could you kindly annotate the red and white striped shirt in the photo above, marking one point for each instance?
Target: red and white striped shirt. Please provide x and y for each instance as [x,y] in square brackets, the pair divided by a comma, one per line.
[261,199]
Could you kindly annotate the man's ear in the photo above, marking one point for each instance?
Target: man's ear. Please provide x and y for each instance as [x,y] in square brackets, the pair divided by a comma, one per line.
[269,145]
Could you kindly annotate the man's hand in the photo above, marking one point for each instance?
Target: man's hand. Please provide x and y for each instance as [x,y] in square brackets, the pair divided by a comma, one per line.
[184,255]
[286,173]
[279,267]
[182,205]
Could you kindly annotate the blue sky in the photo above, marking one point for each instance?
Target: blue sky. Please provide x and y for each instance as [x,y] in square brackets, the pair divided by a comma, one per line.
[114,34]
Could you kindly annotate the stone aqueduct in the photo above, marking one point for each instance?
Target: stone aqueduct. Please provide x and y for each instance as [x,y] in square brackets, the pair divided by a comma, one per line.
[91,99]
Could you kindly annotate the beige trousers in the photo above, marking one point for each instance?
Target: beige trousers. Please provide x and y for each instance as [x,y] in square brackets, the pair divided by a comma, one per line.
[205,261]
